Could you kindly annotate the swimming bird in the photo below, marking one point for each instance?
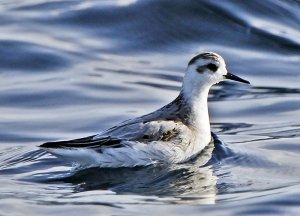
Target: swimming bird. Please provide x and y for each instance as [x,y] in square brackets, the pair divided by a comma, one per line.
[175,133]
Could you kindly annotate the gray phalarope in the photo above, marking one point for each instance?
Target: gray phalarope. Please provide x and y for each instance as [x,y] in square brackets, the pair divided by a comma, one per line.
[174,133]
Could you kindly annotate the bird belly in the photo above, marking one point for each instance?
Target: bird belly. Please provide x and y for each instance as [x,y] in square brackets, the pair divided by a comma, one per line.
[131,154]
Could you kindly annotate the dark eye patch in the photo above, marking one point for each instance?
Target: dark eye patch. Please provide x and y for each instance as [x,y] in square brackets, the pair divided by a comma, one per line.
[212,67]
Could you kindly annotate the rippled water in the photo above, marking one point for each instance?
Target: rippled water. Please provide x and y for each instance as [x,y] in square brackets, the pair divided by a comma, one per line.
[73,68]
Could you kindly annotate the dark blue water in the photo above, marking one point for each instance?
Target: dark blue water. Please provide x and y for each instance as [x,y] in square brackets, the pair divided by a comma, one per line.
[73,68]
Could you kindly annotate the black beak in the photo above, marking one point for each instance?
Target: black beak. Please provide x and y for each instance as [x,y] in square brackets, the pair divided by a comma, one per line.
[235,78]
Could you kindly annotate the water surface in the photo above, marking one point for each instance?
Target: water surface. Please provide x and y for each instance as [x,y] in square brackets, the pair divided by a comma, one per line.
[73,68]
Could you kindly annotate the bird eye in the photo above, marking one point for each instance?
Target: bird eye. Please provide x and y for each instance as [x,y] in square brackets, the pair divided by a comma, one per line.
[212,67]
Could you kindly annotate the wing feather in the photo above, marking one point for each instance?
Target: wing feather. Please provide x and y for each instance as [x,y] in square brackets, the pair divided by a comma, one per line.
[86,142]
[115,137]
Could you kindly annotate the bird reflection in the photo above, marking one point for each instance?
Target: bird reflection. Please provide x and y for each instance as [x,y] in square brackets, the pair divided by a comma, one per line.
[191,182]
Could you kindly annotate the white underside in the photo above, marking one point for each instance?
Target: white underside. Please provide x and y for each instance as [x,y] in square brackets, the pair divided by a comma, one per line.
[134,154]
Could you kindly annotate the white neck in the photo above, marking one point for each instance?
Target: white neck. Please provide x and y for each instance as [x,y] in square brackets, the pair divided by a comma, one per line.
[196,99]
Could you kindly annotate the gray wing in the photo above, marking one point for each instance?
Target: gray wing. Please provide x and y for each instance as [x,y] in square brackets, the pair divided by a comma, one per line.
[145,131]
[117,136]
[161,125]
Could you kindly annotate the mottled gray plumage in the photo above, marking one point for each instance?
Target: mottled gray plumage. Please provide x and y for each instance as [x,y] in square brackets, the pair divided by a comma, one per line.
[177,113]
